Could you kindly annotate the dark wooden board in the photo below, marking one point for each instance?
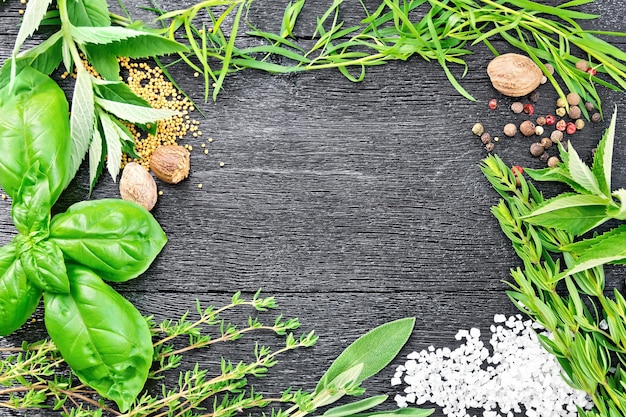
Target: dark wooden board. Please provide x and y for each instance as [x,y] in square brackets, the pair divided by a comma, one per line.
[352,203]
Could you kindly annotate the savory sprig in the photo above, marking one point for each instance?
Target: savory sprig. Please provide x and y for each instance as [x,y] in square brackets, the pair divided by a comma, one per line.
[562,289]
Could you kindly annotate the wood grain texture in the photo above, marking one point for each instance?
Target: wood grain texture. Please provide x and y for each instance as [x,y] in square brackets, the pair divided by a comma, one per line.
[352,203]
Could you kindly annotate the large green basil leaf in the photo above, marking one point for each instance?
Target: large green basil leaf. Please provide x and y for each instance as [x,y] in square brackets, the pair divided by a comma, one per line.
[34,126]
[18,297]
[44,265]
[31,205]
[101,335]
[118,239]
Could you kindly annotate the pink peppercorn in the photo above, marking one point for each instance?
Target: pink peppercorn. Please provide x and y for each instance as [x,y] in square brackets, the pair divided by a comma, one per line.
[529,109]
[592,71]
[561,125]
[570,129]
[550,120]
[493,104]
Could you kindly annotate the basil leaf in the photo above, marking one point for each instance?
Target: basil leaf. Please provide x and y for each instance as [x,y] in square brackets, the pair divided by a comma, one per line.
[355,407]
[116,238]
[18,297]
[102,337]
[82,118]
[31,205]
[374,350]
[35,127]
[43,265]
[88,12]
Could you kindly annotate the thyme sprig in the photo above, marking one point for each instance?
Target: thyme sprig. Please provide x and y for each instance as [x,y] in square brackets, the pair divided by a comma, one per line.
[433,30]
[34,376]
[586,320]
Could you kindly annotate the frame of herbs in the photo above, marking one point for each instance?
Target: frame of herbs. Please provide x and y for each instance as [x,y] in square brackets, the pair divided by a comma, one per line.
[548,34]
[33,379]
[562,283]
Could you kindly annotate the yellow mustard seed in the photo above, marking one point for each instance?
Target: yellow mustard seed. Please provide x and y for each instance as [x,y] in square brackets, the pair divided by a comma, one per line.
[222,164]
[206,151]
[160,192]
[199,185]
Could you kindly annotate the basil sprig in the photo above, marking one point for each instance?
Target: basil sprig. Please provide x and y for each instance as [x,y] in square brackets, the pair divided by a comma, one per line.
[65,258]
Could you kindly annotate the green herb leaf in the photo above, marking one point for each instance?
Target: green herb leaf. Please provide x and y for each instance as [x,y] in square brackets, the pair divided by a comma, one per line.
[18,296]
[599,250]
[82,118]
[113,137]
[43,265]
[46,56]
[88,12]
[104,62]
[404,412]
[575,213]
[118,91]
[131,43]
[35,11]
[603,157]
[134,113]
[374,350]
[95,159]
[31,206]
[35,127]
[102,337]
[116,238]
[355,407]
[581,173]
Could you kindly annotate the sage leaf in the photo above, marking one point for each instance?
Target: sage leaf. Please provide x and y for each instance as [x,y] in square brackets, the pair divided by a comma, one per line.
[605,248]
[18,296]
[43,265]
[118,239]
[88,12]
[134,113]
[355,407]
[102,337]
[603,157]
[82,118]
[35,127]
[342,384]
[575,213]
[374,350]
[34,13]
[113,137]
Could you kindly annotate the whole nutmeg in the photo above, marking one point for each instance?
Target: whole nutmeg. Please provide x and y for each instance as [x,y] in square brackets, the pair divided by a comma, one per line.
[136,184]
[514,75]
[510,129]
[170,163]
[536,149]
[527,128]
[574,112]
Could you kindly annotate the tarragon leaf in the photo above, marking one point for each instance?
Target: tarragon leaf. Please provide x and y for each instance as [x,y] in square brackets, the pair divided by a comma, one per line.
[95,158]
[602,159]
[134,113]
[82,118]
[599,250]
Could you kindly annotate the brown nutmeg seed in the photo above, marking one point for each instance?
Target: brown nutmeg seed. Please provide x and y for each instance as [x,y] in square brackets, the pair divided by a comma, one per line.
[514,75]
[136,184]
[170,163]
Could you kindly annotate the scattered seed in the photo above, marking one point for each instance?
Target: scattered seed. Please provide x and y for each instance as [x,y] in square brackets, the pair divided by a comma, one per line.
[536,149]
[561,102]
[493,104]
[485,138]
[222,164]
[556,136]
[561,111]
[590,106]
[541,121]
[510,130]
[489,146]
[529,109]
[570,128]
[544,157]
[574,112]
[553,161]
[538,130]
[596,117]
[580,124]
[199,185]
[561,125]
[592,71]
[517,107]
[550,68]
[582,65]
[550,120]
[546,143]
[573,99]
[478,129]
[544,79]
[527,128]
[534,96]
